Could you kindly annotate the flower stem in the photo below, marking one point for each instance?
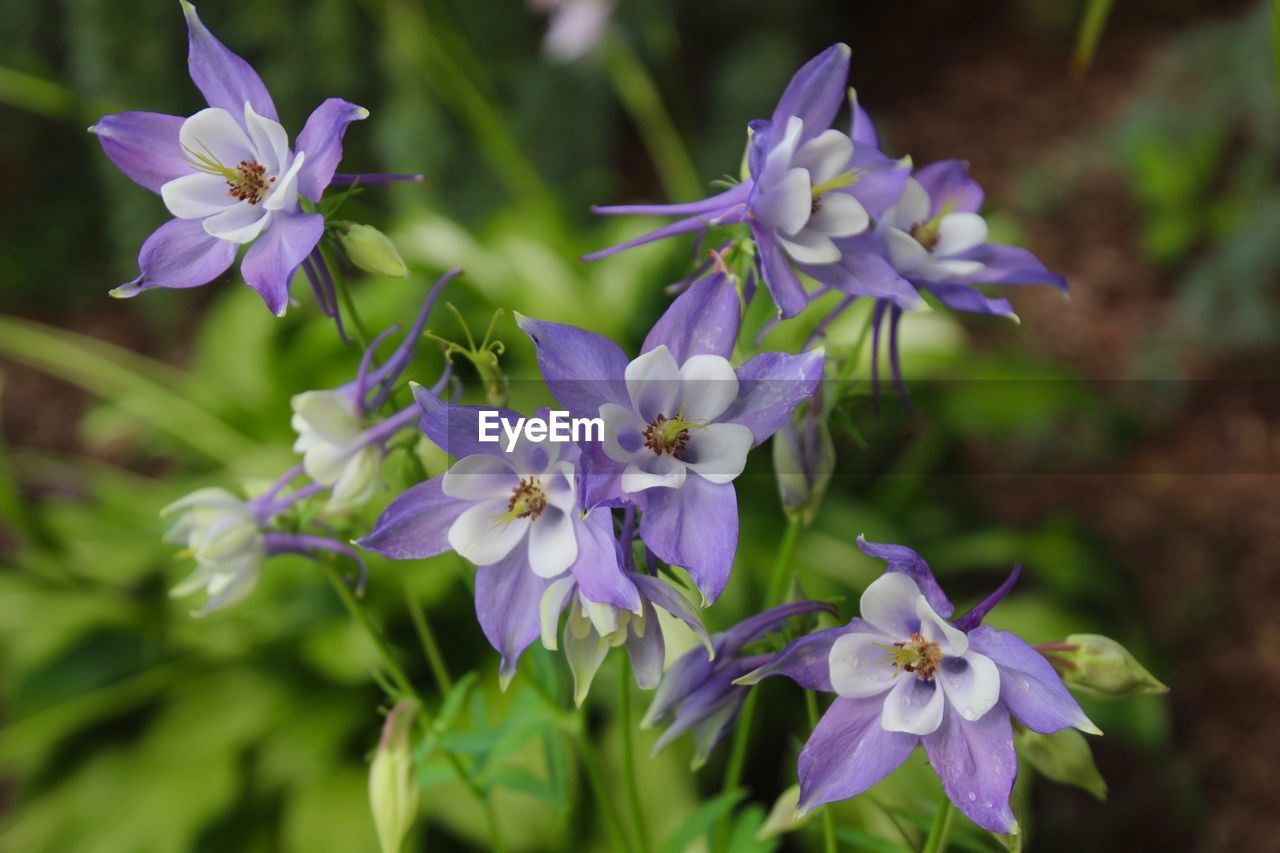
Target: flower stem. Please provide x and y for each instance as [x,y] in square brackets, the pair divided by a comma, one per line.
[344,296]
[828,820]
[937,840]
[425,635]
[628,756]
[595,777]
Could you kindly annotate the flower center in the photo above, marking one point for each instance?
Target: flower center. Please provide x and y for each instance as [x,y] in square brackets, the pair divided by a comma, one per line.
[528,500]
[248,181]
[927,233]
[668,435]
[916,655]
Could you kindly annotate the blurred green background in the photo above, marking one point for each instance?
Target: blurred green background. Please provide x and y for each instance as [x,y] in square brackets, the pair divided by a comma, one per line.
[1120,445]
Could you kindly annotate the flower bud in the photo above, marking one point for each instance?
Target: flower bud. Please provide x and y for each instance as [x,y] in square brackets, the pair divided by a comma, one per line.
[393,788]
[804,458]
[1064,757]
[1104,669]
[222,534]
[329,425]
[372,251]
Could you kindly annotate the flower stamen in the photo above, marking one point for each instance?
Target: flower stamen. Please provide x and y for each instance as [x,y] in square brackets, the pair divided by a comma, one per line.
[669,435]
[528,500]
[917,655]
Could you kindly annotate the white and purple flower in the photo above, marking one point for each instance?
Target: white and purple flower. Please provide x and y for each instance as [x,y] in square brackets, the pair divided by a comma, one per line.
[906,673]
[229,177]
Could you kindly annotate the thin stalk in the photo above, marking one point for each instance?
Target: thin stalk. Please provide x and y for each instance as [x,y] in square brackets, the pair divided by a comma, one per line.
[344,297]
[628,756]
[425,635]
[941,829]
[1275,39]
[639,95]
[595,777]
[828,819]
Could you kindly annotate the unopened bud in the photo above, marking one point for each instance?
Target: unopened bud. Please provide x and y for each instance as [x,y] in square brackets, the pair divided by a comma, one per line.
[372,251]
[1103,669]
[1064,757]
[804,458]
[393,789]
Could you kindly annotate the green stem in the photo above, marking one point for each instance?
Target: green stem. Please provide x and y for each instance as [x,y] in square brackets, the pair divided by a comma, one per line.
[1275,39]
[639,95]
[426,636]
[1091,27]
[629,758]
[344,296]
[783,564]
[937,840]
[595,777]
[828,819]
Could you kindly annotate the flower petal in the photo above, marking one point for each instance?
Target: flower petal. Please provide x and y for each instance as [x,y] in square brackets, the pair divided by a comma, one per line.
[905,253]
[598,567]
[696,527]
[949,187]
[810,247]
[816,92]
[653,383]
[977,765]
[1029,685]
[910,210]
[971,682]
[825,156]
[269,140]
[704,320]
[906,561]
[806,661]
[507,598]
[416,524]
[456,429]
[553,547]
[652,471]
[284,193]
[858,665]
[551,606]
[585,654]
[215,136]
[960,232]
[937,630]
[889,605]
[321,141]
[664,596]
[708,385]
[718,452]
[144,146]
[913,706]
[480,477]
[583,370]
[269,265]
[839,215]
[647,650]
[962,297]
[770,386]
[225,80]
[179,254]
[481,536]
[240,223]
[849,752]
[196,195]
[779,278]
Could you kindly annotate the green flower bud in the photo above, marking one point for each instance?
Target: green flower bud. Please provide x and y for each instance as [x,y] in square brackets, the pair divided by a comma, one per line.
[372,251]
[785,816]
[1101,668]
[1064,757]
[804,458]
[393,788]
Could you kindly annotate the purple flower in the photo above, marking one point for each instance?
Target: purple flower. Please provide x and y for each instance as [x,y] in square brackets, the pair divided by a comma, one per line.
[808,185]
[701,693]
[678,421]
[518,516]
[906,674]
[229,177]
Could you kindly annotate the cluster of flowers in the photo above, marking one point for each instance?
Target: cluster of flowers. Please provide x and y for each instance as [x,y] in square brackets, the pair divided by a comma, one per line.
[588,532]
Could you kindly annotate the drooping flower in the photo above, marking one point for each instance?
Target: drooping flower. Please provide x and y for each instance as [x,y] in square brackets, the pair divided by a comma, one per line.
[678,421]
[701,693]
[229,177]
[808,185]
[518,516]
[905,673]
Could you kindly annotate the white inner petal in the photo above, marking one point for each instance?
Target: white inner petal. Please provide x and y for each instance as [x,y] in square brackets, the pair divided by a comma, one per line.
[718,452]
[905,252]
[653,471]
[549,609]
[971,682]
[270,141]
[911,209]
[241,223]
[935,629]
[839,215]
[825,156]
[653,383]
[214,134]
[889,604]
[810,247]
[786,202]
[197,195]
[913,706]
[708,386]
[857,664]
[960,232]
[283,194]
[480,477]
[623,433]
[482,536]
[553,547]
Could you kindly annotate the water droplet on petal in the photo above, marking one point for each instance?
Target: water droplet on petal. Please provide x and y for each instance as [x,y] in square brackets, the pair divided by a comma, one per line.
[972,796]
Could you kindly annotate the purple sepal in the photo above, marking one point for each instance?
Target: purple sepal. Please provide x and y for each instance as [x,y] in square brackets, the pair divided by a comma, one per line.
[1011,265]
[977,764]
[961,297]
[770,386]
[949,187]
[144,146]
[272,259]
[225,80]
[583,370]
[663,596]
[696,527]
[508,595]
[779,278]
[848,752]
[647,652]
[816,92]
[974,617]
[1029,685]
[416,524]
[805,660]
[321,140]
[715,204]
[902,559]
[703,320]
[730,642]
[598,569]
[456,429]
[180,253]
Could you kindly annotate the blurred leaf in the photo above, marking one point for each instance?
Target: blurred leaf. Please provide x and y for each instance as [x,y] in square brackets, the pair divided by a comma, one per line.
[1065,757]
[701,821]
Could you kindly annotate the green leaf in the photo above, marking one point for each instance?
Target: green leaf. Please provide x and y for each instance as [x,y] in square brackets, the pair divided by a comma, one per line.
[702,820]
[1064,757]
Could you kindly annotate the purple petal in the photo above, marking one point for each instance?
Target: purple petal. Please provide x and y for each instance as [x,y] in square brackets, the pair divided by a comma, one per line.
[861,130]
[849,752]
[1012,265]
[321,140]
[902,559]
[416,524]
[806,661]
[714,699]
[1029,685]
[663,595]
[730,642]
[598,568]
[949,186]
[977,764]
[144,146]
[974,617]
[816,92]
[962,297]
[696,527]
[456,429]
[728,198]
[779,278]
[863,270]
[179,253]
[225,80]
[647,652]
[703,320]
[583,370]
[683,226]
[600,477]
[690,671]
[270,263]
[770,386]
[882,182]
[508,595]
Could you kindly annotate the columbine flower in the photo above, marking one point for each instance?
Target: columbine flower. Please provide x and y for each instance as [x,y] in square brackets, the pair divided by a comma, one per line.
[700,692]
[678,420]
[906,674]
[595,627]
[807,184]
[518,516]
[229,177]
[222,533]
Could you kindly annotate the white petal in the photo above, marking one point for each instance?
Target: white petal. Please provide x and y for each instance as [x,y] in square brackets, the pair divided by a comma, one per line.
[911,209]
[197,195]
[718,452]
[623,433]
[283,194]
[960,232]
[935,629]
[325,463]
[359,479]
[549,609]
[825,156]
[269,139]
[214,134]
[946,270]
[657,472]
[653,383]
[905,253]
[779,158]
[560,487]
[329,415]
[971,682]
[839,215]
[785,203]
[913,706]
[553,546]
[585,654]
[857,664]
[482,537]
[480,477]
[810,247]
[889,604]
[708,386]
[533,458]
[239,224]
